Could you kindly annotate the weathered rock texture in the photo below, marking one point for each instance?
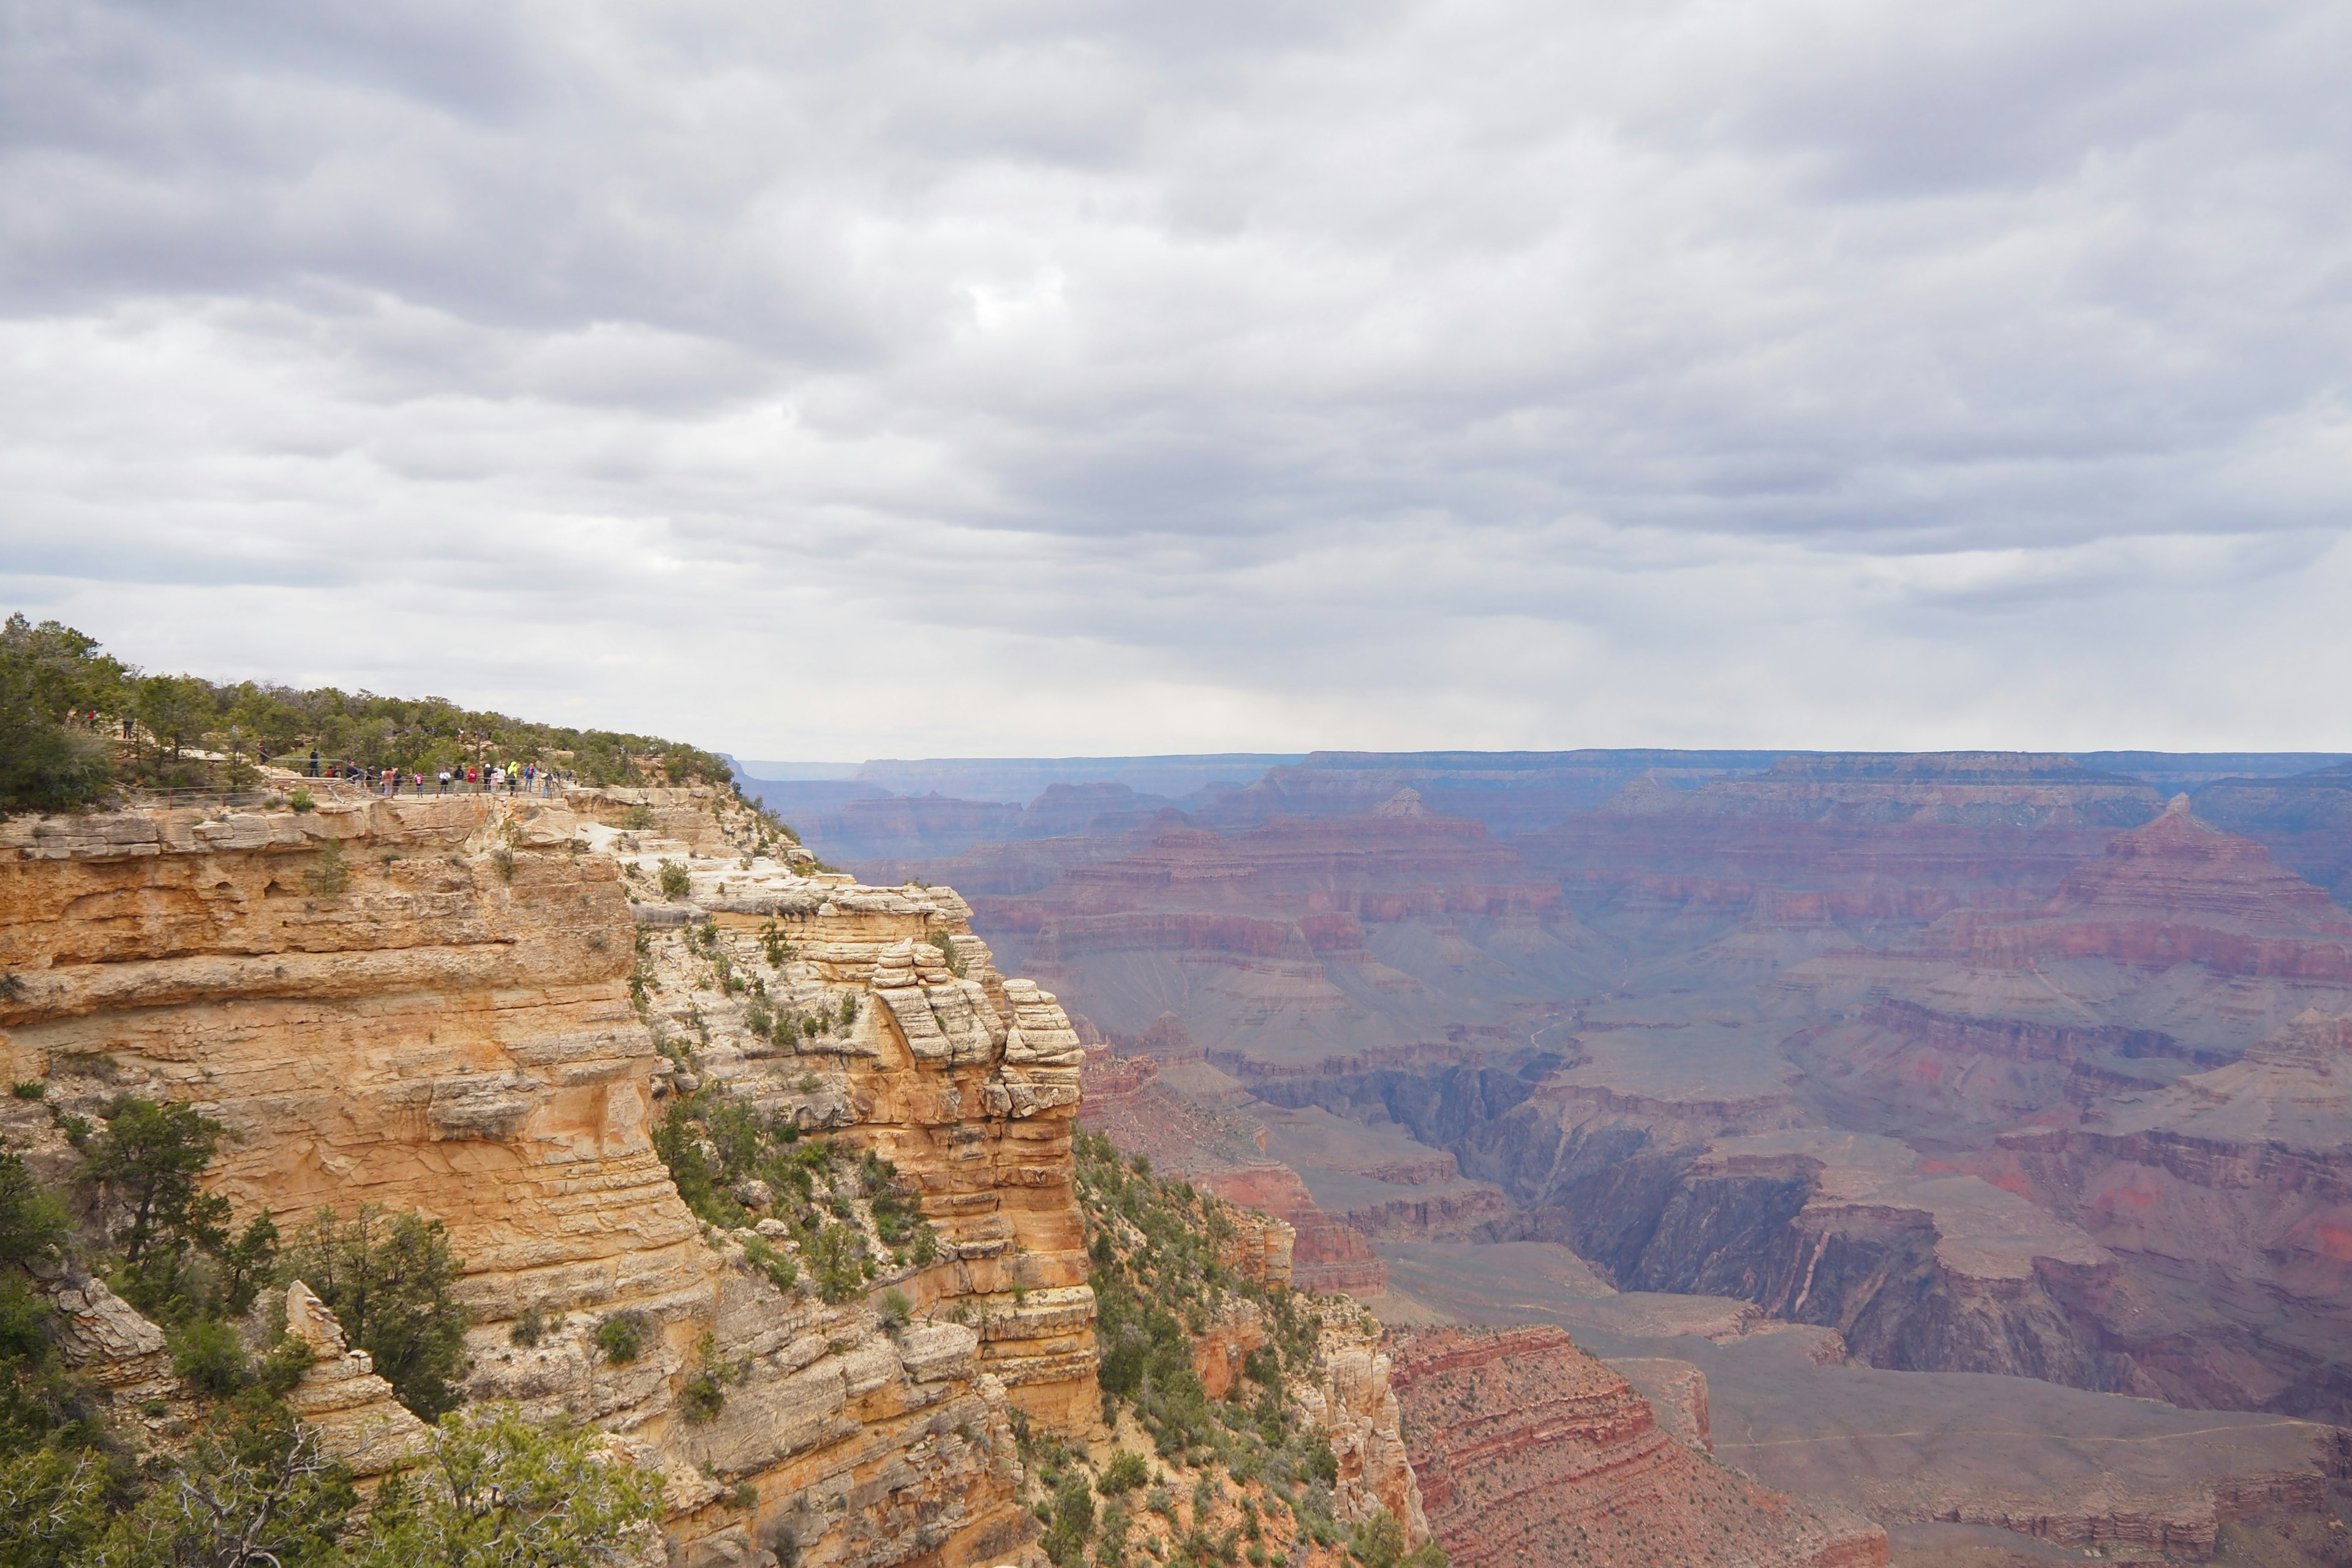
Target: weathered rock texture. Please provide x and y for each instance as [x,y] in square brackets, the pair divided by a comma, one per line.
[343,1400]
[1355,1402]
[425,1003]
[1529,1451]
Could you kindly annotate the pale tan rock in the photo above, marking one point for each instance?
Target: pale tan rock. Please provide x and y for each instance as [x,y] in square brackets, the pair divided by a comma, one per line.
[105,1338]
[354,1413]
[1367,1434]
[450,1031]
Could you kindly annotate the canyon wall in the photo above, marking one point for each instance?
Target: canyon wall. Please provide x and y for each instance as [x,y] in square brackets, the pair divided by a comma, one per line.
[427,1004]
[1531,1452]
[1871,1041]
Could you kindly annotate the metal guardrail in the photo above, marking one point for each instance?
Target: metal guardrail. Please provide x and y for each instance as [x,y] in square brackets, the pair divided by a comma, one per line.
[328,789]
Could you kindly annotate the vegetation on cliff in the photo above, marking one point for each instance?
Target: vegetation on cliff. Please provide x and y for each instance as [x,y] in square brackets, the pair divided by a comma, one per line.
[220,1471]
[48,674]
[55,756]
[1249,1477]
[391,1280]
[844,1214]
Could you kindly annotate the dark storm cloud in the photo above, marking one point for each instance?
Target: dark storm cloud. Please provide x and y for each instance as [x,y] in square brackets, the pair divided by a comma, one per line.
[1093,377]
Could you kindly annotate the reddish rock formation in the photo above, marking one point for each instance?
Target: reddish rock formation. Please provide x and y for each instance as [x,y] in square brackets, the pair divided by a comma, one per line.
[1226,1154]
[1997,963]
[2175,892]
[1328,1256]
[1531,1452]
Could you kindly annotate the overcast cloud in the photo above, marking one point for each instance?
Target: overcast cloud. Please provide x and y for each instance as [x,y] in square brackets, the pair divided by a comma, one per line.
[882,379]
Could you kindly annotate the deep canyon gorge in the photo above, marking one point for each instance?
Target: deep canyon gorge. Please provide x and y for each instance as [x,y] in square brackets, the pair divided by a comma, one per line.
[1876,1076]
[1621,1158]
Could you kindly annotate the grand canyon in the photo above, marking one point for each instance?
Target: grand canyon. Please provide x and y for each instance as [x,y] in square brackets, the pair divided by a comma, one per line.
[1371,1162]
[1976,1127]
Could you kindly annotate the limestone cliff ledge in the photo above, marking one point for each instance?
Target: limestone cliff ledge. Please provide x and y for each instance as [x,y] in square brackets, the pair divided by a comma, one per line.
[425,1003]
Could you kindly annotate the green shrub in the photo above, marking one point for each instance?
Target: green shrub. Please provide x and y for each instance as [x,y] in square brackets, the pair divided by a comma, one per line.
[837,1258]
[637,818]
[31,1089]
[622,1337]
[528,1329]
[48,674]
[147,1162]
[253,1488]
[208,1353]
[33,1219]
[780,1268]
[1125,1473]
[501,1492]
[1073,1522]
[391,1281]
[56,1505]
[676,882]
[330,873]
[1379,1542]
[700,1398]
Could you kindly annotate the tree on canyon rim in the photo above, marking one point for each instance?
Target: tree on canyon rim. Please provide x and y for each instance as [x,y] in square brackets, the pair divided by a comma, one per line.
[48,674]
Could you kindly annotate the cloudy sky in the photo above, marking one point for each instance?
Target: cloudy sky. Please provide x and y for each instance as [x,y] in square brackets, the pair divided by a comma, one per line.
[888,379]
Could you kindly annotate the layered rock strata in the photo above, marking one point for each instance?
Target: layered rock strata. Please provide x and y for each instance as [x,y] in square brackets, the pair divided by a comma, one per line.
[1529,1451]
[343,1400]
[966,1081]
[425,1004]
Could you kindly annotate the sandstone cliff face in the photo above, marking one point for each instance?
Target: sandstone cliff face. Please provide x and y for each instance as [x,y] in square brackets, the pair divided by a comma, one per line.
[1531,1452]
[1353,1399]
[967,1081]
[425,1003]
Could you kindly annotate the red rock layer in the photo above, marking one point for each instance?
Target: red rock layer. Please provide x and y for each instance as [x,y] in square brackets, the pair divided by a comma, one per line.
[1329,1256]
[2175,891]
[1295,888]
[1531,1452]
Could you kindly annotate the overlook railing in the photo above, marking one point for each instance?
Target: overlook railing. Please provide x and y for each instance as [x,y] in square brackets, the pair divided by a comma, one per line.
[330,789]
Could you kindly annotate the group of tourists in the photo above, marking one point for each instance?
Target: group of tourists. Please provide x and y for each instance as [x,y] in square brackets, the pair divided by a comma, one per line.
[471,778]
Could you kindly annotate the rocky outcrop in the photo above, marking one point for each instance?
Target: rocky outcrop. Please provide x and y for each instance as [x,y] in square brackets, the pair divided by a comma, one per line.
[1455,1212]
[966,1081]
[1676,1391]
[2175,891]
[2177,1525]
[1964,789]
[427,1004]
[1354,1401]
[2302,818]
[2247,1169]
[340,1399]
[1529,1451]
[1326,1255]
[1300,913]
[102,1337]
